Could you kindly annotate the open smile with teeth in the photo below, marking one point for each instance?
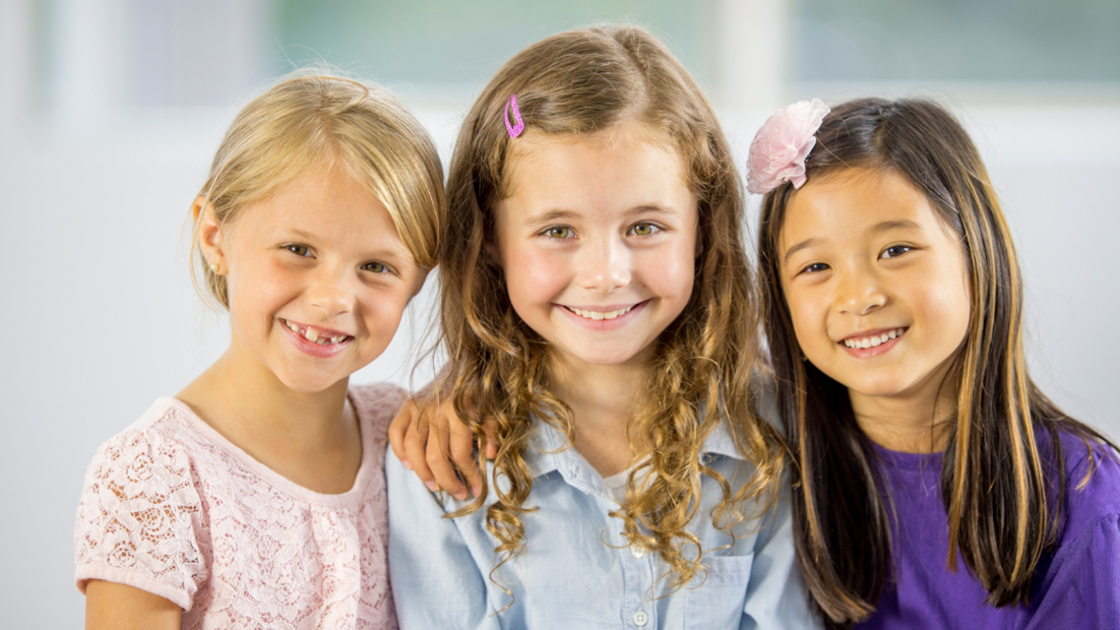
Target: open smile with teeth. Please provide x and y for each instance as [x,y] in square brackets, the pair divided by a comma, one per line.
[873,340]
[597,315]
[313,335]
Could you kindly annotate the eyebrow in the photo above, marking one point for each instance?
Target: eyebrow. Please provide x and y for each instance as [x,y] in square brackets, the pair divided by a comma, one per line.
[885,226]
[561,214]
[809,242]
[552,215]
[391,255]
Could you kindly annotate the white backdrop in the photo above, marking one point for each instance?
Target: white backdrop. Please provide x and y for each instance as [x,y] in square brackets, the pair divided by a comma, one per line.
[100,316]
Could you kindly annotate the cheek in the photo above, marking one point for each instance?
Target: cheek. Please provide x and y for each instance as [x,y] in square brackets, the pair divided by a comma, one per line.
[382,312]
[259,286]
[532,274]
[669,272]
[800,313]
[952,306]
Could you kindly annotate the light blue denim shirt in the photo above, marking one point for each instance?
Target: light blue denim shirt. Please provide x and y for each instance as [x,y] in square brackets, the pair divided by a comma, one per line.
[576,570]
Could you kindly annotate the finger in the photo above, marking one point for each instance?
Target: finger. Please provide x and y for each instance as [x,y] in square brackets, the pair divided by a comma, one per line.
[462,453]
[415,440]
[490,429]
[437,456]
[399,427]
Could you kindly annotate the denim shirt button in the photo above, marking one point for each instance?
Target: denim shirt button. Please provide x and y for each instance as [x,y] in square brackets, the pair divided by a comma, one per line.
[640,618]
[637,550]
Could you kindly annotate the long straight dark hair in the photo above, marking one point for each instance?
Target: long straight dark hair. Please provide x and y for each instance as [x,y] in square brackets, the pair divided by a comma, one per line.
[993,480]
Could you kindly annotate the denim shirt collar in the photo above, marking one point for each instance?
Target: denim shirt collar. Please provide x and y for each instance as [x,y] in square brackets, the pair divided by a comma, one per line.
[546,455]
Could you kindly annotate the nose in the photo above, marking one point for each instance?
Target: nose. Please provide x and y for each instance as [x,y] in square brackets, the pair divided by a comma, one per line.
[604,265]
[859,293]
[331,291]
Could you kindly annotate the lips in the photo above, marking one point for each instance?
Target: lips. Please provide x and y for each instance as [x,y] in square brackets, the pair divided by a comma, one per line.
[598,315]
[872,340]
[321,336]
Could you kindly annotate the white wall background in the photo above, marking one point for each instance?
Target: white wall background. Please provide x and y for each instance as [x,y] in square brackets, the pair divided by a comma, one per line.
[100,317]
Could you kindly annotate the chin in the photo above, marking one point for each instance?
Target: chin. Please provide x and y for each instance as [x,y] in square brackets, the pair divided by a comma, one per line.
[606,359]
[309,384]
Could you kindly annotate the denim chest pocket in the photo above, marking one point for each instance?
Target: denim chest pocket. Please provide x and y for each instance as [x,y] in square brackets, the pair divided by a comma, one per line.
[719,599]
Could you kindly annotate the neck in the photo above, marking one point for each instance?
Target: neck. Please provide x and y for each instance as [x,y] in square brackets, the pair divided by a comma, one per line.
[312,438]
[911,424]
[602,399]
[255,397]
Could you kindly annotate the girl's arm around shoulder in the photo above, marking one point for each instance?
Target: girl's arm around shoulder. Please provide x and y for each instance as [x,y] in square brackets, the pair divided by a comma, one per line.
[776,594]
[1081,586]
[437,581]
[140,521]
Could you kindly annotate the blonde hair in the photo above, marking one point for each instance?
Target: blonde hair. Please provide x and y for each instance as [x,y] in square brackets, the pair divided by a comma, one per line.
[578,83]
[310,120]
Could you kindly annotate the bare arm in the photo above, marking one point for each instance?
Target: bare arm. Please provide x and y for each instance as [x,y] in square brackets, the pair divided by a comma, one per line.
[436,445]
[113,606]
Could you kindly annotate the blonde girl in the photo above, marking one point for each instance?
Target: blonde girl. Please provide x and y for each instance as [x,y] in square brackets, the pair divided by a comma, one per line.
[255,497]
[935,485]
[598,306]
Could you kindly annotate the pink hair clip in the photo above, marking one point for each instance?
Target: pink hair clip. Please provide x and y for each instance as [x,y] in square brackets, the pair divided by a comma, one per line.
[516,129]
[780,147]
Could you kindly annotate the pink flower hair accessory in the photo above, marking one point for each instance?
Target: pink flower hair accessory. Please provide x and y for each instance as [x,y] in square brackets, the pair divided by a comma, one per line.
[780,147]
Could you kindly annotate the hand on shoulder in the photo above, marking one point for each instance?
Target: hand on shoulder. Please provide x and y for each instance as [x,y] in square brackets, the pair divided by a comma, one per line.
[433,442]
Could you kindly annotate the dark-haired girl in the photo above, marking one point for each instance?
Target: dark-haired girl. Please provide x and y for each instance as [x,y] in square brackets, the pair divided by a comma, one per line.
[934,485]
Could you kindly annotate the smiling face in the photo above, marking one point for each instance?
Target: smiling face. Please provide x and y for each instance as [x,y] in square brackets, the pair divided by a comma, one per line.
[597,242]
[876,283]
[317,278]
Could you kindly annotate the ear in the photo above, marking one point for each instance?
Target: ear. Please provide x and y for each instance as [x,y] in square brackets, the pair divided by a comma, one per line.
[210,236]
[492,253]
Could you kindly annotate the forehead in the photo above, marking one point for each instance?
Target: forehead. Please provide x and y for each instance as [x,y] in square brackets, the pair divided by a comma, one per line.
[844,204]
[323,200]
[626,165]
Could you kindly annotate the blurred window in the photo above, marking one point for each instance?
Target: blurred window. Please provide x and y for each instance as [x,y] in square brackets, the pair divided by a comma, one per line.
[447,42]
[956,40]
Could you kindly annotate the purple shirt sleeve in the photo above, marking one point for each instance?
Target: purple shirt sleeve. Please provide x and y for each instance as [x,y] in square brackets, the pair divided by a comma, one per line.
[1077,585]
[1081,587]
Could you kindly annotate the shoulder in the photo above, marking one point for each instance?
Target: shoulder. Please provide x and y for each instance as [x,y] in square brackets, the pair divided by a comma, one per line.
[141,513]
[765,391]
[376,404]
[1092,472]
[156,444]
[1080,585]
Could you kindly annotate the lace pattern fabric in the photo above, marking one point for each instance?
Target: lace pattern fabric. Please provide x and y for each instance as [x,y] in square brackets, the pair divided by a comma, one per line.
[173,508]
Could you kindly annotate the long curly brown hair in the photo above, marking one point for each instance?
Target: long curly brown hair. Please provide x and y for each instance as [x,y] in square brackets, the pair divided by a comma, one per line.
[579,83]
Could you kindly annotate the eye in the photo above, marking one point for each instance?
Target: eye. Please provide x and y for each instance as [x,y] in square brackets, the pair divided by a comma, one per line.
[297,249]
[645,229]
[814,268]
[560,232]
[894,251]
[376,267]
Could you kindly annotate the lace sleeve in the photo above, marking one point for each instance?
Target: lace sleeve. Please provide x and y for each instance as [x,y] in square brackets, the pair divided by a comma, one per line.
[140,520]
[377,404]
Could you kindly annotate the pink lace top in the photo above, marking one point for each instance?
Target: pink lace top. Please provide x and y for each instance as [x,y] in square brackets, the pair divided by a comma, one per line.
[175,509]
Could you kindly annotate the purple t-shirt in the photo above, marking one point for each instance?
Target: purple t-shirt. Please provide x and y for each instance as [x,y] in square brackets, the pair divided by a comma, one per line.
[1076,587]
